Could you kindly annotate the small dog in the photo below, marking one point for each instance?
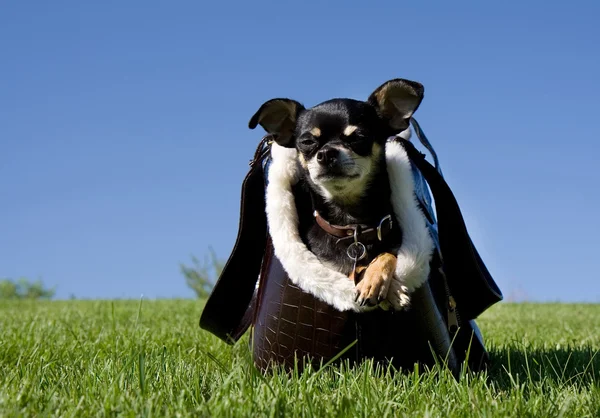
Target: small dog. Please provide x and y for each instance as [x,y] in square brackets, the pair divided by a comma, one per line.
[346,218]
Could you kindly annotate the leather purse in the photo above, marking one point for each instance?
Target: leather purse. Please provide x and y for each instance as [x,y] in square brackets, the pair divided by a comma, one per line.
[291,328]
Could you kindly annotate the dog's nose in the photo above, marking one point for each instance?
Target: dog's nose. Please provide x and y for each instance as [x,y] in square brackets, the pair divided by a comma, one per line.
[327,156]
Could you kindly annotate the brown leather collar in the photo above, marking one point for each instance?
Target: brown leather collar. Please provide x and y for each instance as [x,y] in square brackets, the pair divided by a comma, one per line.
[357,232]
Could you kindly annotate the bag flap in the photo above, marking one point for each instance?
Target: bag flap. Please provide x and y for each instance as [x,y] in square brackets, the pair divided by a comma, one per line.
[469,280]
[228,310]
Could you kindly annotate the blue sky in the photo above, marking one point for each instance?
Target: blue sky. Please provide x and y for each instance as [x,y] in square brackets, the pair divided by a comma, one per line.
[124,139]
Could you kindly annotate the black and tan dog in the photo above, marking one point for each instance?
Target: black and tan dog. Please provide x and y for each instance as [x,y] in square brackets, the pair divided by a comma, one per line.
[361,220]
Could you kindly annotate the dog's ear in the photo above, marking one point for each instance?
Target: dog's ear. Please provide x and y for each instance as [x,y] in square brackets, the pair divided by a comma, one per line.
[396,101]
[278,117]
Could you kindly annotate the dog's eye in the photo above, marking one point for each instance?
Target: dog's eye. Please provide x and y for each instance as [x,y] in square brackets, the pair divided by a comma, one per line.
[308,142]
[356,138]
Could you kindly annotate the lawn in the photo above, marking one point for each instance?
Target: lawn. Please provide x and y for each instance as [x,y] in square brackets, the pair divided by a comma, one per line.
[149,358]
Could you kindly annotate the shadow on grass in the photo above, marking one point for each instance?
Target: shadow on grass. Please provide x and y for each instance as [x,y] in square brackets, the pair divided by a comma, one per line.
[562,365]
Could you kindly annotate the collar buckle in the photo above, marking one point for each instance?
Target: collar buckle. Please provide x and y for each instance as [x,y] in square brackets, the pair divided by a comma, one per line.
[387,218]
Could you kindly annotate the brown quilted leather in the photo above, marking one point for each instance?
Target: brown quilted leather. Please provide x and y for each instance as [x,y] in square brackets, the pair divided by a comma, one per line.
[290,323]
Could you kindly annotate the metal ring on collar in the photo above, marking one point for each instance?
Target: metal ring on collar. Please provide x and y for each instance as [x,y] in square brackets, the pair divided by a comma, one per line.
[363,250]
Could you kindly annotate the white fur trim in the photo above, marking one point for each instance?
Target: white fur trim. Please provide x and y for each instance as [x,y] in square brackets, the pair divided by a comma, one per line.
[412,268]
[304,268]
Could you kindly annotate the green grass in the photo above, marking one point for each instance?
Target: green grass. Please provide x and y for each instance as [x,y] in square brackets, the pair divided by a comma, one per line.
[132,358]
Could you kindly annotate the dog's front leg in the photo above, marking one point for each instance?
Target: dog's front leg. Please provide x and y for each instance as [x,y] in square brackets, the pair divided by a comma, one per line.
[375,279]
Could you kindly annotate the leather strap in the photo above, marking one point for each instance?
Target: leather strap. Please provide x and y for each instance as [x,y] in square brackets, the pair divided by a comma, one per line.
[423,138]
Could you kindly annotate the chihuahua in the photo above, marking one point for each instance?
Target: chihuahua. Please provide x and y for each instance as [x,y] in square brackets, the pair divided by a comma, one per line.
[345,214]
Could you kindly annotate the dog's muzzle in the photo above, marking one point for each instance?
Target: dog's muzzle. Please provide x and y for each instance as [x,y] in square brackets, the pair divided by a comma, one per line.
[328,156]
[334,162]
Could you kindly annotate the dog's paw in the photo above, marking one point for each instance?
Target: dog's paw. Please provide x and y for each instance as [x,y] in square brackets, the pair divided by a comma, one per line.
[375,280]
[398,295]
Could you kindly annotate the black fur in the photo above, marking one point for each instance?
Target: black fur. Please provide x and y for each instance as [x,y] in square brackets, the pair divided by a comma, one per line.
[332,117]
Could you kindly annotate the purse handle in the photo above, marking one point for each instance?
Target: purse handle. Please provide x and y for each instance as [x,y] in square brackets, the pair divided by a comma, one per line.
[423,138]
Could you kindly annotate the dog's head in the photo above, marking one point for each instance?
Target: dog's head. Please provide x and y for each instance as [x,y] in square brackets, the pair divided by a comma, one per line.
[341,142]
